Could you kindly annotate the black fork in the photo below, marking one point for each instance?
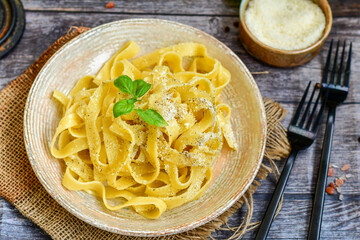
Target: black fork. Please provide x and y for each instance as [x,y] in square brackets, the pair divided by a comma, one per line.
[336,87]
[301,133]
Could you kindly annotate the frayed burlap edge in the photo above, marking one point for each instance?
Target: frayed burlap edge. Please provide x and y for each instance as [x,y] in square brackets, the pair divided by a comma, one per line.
[19,185]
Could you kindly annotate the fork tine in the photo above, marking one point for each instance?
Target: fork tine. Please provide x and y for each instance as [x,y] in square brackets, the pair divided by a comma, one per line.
[316,124]
[338,82]
[310,120]
[333,71]
[300,106]
[305,114]
[348,67]
[327,65]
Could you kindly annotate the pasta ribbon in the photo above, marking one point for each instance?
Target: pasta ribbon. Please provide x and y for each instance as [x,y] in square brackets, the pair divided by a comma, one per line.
[137,165]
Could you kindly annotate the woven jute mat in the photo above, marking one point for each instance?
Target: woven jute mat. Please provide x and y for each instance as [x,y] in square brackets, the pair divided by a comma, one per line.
[19,185]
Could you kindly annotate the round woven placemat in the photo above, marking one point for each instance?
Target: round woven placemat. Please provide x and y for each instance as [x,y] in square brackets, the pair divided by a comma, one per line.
[19,185]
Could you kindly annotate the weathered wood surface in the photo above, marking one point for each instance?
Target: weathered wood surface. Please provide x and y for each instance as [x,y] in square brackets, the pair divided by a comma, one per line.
[43,28]
[47,20]
[345,8]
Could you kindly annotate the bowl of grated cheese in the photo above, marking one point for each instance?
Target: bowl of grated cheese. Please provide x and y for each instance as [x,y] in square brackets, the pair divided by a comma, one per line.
[284,33]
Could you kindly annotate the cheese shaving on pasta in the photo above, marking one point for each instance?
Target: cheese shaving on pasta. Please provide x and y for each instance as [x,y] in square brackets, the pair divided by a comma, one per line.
[137,165]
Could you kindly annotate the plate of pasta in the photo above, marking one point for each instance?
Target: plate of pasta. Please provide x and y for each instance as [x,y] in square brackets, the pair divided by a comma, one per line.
[145,127]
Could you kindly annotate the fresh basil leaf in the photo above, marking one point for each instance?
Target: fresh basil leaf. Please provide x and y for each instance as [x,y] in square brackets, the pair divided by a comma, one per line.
[152,117]
[132,100]
[125,84]
[122,107]
[141,87]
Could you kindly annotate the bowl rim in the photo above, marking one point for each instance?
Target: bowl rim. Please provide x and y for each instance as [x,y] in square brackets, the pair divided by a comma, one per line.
[147,233]
[318,43]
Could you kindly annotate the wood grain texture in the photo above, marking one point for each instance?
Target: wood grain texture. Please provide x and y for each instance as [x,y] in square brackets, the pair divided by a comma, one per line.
[346,149]
[47,20]
[340,8]
[44,28]
[16,226]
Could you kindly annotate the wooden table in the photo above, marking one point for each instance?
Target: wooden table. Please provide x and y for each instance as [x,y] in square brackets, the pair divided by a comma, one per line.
[47,20]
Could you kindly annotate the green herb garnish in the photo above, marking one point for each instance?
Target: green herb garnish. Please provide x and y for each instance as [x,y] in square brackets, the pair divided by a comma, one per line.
[152,117]
[136,89]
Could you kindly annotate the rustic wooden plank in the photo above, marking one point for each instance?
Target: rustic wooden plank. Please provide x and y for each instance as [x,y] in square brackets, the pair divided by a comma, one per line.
[347,8]
[16,226]
[340,219]
[294,225]
[340,8]
[44,28]
[346,149]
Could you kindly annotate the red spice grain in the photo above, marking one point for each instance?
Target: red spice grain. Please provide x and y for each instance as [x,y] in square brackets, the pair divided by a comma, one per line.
[339,182]
[331,172]
[110,5]
[345,167]
[330,190]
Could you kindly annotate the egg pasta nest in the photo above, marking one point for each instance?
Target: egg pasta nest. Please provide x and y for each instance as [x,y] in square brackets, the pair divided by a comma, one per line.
[137,165]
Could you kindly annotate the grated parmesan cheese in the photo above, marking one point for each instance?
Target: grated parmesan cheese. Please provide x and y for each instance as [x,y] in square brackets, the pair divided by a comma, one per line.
[285,24]
[169,110]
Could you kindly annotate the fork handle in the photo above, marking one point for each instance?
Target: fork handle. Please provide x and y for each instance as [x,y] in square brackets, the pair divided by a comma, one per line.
[276,197]
[319,198]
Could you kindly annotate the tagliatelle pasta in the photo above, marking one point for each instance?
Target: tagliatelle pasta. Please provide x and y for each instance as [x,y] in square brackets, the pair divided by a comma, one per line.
[127,162]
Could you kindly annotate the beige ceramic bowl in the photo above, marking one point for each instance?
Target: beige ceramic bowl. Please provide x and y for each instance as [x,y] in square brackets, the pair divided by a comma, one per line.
[278,57]
[233,171]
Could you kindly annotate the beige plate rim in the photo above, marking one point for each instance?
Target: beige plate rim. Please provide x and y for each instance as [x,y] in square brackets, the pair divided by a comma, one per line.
[103,225]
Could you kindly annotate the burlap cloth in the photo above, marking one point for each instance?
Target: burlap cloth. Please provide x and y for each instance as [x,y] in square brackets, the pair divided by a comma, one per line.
[19,185]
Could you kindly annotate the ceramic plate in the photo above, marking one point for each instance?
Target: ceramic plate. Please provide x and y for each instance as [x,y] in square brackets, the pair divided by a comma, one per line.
[233,171]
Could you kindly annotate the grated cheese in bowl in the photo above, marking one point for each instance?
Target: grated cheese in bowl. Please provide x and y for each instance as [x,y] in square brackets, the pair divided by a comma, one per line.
[285,24]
